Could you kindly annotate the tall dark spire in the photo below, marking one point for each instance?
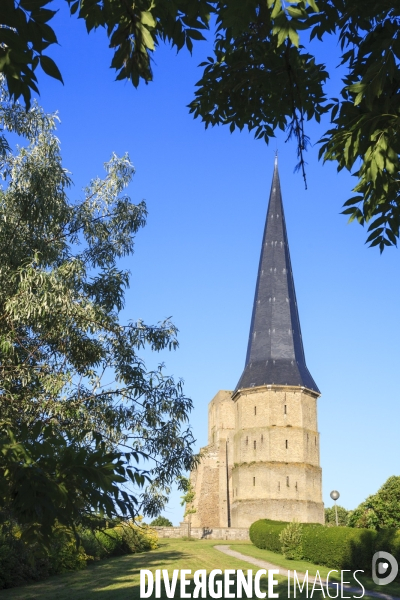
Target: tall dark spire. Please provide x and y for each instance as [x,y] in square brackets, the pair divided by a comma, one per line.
[275,353]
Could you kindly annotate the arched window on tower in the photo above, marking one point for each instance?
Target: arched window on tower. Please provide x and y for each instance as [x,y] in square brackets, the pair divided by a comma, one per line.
[287,481]
[254,481]
[286,444]
[247,440]
[255,410]
[255,445]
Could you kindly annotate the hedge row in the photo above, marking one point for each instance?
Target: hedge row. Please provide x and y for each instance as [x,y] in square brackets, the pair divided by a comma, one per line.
[339,547]
[265,533]
[336,547]
[22,563]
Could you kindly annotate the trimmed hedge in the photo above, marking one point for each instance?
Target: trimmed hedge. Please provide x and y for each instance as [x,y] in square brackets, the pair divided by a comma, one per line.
[340,547]
[336,547]
[265,533]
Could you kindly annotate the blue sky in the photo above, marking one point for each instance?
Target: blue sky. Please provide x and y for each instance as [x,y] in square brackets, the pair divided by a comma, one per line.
[196,259]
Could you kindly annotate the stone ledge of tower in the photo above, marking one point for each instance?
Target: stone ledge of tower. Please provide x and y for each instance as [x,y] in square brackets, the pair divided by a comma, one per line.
[276,463]
[272,387]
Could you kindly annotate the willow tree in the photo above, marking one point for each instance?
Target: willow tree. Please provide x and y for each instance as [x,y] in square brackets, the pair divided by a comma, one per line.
[84,427]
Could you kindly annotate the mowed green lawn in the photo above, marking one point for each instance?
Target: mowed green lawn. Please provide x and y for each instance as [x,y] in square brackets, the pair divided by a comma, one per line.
[118,578]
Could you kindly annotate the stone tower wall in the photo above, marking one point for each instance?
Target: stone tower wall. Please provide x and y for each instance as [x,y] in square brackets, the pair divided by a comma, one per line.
[276,472]
[210,480]
[262,460]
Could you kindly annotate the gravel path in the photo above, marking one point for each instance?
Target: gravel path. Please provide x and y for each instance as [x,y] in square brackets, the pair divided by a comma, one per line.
[282,571]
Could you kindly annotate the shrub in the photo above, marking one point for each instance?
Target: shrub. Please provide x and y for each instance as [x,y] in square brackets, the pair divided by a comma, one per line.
[63,554]
[291,539]
[19,563]
[110,543]
[265,534]
[22,563]
[90,544]
[161,522]
[125,538]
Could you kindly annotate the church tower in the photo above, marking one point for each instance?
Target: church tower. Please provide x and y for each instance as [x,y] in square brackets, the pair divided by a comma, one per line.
[276,472]
[262,458]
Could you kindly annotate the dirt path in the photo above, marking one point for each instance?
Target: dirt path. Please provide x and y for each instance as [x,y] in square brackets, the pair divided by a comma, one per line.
[282,571]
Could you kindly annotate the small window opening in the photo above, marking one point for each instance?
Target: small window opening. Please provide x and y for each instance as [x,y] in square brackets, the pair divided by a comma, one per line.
[254,481]
[287,481]
[247,440]
[255,444]
[296,485]
[285,409]
[287,444]
[279,486]
[262,438]
[255,410]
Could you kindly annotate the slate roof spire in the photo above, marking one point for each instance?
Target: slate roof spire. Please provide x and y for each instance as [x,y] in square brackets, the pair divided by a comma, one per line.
[275,353]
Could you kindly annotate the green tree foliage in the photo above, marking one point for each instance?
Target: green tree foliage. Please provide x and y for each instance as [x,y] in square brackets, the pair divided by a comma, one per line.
[343,516]
[381,510]
[291,539]
[78,409]
[263,75]
[161,522]
[189,496]
[134,30]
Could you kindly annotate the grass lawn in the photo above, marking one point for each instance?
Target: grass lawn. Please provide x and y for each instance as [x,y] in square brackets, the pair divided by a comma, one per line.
[118,578]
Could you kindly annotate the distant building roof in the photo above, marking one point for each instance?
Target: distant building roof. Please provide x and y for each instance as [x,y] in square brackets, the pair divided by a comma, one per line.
[275,353]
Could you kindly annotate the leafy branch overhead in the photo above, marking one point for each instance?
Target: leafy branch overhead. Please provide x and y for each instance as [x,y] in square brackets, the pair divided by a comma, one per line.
[263,75]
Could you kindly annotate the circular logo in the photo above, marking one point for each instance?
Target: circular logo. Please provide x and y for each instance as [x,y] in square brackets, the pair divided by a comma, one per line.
[384,568]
